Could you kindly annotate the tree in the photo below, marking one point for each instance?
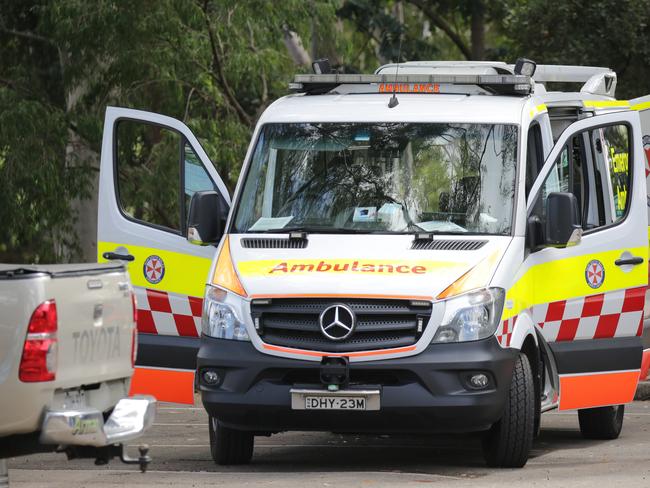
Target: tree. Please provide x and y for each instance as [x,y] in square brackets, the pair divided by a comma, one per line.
[214,64]
[612,33]
[429,29]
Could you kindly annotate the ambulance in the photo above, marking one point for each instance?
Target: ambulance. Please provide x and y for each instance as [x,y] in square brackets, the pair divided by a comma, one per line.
[435,247]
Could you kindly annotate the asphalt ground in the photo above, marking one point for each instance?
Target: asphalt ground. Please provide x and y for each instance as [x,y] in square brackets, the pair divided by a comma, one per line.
[180,448]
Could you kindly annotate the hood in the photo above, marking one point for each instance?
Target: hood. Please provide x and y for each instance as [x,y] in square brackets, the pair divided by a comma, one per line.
[359,265]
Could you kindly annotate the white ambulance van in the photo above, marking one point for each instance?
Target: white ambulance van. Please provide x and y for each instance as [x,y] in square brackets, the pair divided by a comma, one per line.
[437,247]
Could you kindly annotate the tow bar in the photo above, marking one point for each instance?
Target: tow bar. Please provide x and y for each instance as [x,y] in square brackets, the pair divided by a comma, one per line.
[103,455]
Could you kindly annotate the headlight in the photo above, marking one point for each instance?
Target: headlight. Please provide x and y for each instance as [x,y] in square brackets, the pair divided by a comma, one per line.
[219,319]
[471,316]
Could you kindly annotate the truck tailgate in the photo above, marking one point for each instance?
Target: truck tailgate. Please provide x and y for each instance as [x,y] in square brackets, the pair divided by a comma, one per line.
[95,332]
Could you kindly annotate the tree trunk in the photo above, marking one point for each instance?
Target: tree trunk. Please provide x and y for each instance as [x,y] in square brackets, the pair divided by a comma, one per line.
[478,30]
[78,152]
[296,50]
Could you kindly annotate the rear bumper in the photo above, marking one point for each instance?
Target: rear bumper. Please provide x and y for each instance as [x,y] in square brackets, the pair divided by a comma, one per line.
[423,393]
[130,418]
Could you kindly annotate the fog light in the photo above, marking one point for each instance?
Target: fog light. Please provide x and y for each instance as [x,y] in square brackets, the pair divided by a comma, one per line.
[479,381]
[211,377]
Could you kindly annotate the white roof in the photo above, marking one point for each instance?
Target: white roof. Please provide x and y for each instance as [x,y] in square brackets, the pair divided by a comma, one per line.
[411,108]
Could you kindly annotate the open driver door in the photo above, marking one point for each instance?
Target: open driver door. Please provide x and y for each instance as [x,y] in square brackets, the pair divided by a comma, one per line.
[151,165]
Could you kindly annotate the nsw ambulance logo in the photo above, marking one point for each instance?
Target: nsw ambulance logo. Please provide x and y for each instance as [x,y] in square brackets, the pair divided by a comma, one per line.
[154,269]
[595,273]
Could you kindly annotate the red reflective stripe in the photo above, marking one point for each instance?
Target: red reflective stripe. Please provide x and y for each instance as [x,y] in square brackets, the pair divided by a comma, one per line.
[158,301]
[167,385]
[196,305]
[634,299]
[606,327]
[593,305]
[568,329]
[161,309]
[145,322]
[185,325]
[555,311]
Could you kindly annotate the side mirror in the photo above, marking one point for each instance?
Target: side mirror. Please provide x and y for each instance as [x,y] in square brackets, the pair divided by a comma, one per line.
[562,220]
[204,225]
[534,233]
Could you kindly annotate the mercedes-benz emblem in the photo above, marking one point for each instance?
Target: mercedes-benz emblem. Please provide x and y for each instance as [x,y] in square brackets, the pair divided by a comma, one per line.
[337,322]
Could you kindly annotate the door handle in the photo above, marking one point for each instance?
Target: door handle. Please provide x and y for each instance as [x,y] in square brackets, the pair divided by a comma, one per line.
[113,256]
[632,260]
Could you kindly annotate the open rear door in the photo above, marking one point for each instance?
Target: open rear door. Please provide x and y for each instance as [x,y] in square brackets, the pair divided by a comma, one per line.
[151,165]
[642,105]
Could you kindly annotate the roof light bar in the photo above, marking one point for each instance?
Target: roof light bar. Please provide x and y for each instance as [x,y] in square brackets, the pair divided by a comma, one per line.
[413,83]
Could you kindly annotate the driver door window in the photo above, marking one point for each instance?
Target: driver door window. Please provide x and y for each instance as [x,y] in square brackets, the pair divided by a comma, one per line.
[158,171]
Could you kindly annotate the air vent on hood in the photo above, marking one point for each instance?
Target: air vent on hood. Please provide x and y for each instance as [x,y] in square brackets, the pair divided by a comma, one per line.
[447,245]
[273,243]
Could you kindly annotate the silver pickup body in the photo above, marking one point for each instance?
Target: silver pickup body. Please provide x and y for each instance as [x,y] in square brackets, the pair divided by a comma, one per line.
[95,334]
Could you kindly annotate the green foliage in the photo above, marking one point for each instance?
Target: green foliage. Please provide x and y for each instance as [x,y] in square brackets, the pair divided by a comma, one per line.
[36,187]
[214,64]
[611,33]
[217,64]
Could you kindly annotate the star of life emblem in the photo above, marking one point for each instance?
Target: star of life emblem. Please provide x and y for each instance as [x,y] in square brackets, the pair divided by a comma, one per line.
[595,273]
[154,269]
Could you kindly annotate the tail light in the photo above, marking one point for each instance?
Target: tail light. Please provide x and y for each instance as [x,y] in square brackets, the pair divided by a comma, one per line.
[38,362]
[134,337]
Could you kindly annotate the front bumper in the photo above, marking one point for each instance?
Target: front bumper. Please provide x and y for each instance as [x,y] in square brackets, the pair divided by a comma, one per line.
[85,426]
[423,393]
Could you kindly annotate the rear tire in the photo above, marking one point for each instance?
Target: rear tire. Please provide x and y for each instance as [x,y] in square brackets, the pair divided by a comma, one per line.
[230,446]
[508,443]
[602,422]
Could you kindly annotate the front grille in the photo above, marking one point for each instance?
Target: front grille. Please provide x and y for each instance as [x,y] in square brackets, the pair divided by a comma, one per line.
[381,324]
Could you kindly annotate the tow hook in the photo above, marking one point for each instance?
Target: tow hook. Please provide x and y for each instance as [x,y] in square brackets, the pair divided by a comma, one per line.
[335,372]
[143,460]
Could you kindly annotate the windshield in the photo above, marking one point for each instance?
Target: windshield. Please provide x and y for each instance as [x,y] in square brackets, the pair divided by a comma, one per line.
[380,177]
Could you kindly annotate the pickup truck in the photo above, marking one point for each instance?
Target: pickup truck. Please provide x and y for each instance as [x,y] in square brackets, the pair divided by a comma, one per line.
[67,348]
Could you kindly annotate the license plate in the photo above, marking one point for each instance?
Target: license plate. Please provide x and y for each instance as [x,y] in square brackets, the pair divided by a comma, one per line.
[335,403]
[74,399]
[315,399]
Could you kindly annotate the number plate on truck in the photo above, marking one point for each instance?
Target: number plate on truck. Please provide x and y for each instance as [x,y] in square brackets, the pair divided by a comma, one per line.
[334,400]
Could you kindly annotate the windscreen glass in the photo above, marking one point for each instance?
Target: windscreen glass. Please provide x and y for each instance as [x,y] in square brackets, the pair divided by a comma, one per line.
[380,178]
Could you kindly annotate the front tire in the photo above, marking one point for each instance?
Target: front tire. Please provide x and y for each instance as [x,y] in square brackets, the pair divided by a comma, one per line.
[230,446]
[508,443]
[601,423]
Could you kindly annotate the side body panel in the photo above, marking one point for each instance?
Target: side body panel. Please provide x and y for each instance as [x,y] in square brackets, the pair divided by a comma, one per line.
[593,331]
